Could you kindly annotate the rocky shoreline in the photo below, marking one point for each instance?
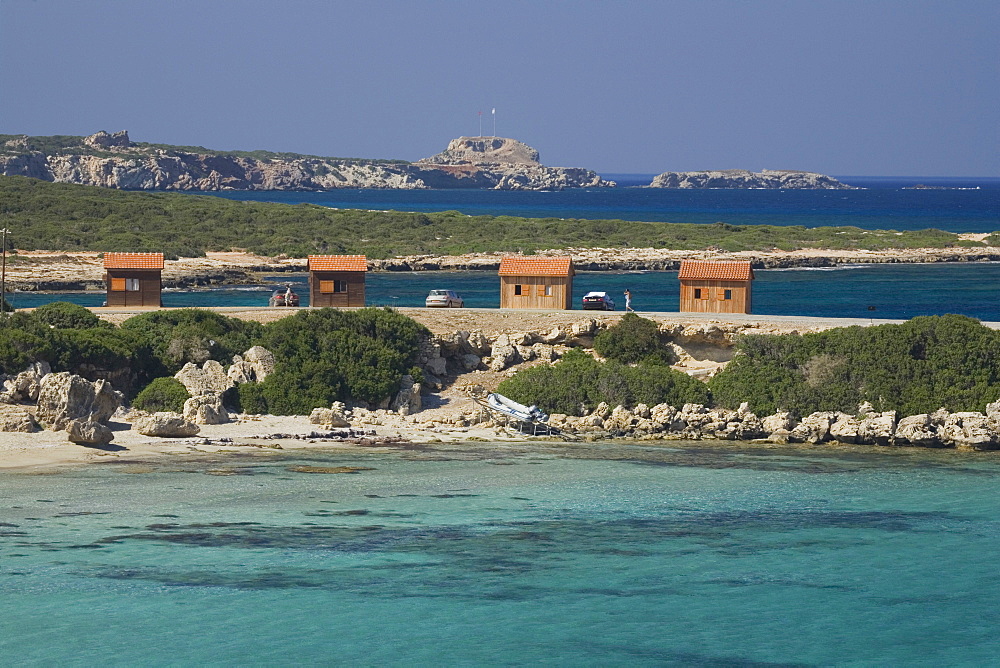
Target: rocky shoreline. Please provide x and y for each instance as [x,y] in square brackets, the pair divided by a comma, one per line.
[56,271]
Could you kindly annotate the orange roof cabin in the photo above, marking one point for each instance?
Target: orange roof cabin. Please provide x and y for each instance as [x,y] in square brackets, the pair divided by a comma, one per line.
[133,279]
[715,287]
[337,280]
[536,282]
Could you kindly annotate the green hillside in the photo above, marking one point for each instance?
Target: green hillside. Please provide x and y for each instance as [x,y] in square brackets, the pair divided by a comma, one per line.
[57,216]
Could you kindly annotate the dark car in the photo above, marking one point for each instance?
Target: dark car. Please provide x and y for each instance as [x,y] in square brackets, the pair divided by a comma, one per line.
[598,301]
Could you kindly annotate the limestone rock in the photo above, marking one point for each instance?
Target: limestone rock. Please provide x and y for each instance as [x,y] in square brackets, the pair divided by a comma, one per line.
[206,409]
[814,428]
[211,378]
[103,140]
[253,366]
[504,354]
[917,430]
[844,429]
[321,416]
[338,415]
[63,397]
[968,431]
[407,400]
[89,432]
[25,385]
[742,178]
[877,428]
[165,425]
[16,418]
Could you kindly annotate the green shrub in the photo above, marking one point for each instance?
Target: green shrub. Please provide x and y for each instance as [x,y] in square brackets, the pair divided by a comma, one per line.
[20,347]
[327,355]
[179,336]
[633,339]
[577,383]
[163,394]
[916,367]
[65,315]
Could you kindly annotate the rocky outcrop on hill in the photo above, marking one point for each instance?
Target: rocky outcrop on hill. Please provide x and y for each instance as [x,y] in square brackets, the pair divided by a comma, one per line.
[742,178]
[501,163]
[114,161]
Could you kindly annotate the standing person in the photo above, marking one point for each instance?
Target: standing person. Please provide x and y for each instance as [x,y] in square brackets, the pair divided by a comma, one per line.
[628,300]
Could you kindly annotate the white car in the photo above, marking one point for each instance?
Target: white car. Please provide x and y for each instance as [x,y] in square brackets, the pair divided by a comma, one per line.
[444,299]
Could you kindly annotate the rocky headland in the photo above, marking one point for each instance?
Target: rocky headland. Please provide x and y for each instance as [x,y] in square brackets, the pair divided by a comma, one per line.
[114,161]
[742,178]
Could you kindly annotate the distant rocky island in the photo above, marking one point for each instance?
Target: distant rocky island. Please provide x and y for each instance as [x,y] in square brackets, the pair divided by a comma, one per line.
[114,161]
[742,178]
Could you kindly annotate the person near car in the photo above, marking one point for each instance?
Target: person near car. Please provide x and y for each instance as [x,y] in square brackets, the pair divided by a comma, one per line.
[628,300]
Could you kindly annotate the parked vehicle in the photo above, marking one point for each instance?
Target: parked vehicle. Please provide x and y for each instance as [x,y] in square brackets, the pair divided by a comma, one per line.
[598,301]
[444,299]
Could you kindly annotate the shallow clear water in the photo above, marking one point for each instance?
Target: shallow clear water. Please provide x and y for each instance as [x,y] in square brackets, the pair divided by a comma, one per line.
[608,554]
[895,291]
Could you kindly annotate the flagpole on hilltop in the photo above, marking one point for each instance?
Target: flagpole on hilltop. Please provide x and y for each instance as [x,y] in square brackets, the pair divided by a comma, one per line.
[494,121]
[480,124]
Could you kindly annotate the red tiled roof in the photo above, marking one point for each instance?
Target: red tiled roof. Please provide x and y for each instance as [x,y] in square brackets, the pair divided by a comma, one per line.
[726,271]
[536,266]
[133,260]
[338,263]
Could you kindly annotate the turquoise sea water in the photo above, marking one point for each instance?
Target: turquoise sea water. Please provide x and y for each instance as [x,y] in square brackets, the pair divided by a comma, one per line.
[895,291]
[489,554]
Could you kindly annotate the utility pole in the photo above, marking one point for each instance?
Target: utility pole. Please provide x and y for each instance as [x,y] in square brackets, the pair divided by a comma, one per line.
[494,121]
[480,125]
[3,273]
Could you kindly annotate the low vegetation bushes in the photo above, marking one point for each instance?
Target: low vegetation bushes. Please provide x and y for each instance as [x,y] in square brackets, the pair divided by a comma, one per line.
[163,394]
[916,367]
[176,224]
[577,383]
[328,355]
[633,339]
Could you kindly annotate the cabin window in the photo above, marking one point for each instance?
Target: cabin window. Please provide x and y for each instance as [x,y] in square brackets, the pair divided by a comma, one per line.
[132,285]
[548,290]
[328,287]
[517,289]
[727,294]
[118,285]
[697,293]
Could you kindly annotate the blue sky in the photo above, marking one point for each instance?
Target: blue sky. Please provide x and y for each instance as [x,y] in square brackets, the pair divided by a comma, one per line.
[840,87]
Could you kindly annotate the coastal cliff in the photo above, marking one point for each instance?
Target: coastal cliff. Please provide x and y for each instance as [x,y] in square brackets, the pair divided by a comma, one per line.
[114,161]
[742,178]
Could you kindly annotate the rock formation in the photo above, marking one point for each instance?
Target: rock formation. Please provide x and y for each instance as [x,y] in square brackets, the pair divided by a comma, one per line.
[165,425]
[114,161]
[63,397]
[742,178]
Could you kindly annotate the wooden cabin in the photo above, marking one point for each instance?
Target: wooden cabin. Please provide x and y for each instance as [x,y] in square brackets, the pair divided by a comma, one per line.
[133,279]
[337,280]
[715,287]
[536,282]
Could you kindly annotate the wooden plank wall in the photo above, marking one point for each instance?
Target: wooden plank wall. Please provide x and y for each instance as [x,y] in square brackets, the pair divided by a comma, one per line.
[148,293]
[355,295]
[712,296]
[533,292]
